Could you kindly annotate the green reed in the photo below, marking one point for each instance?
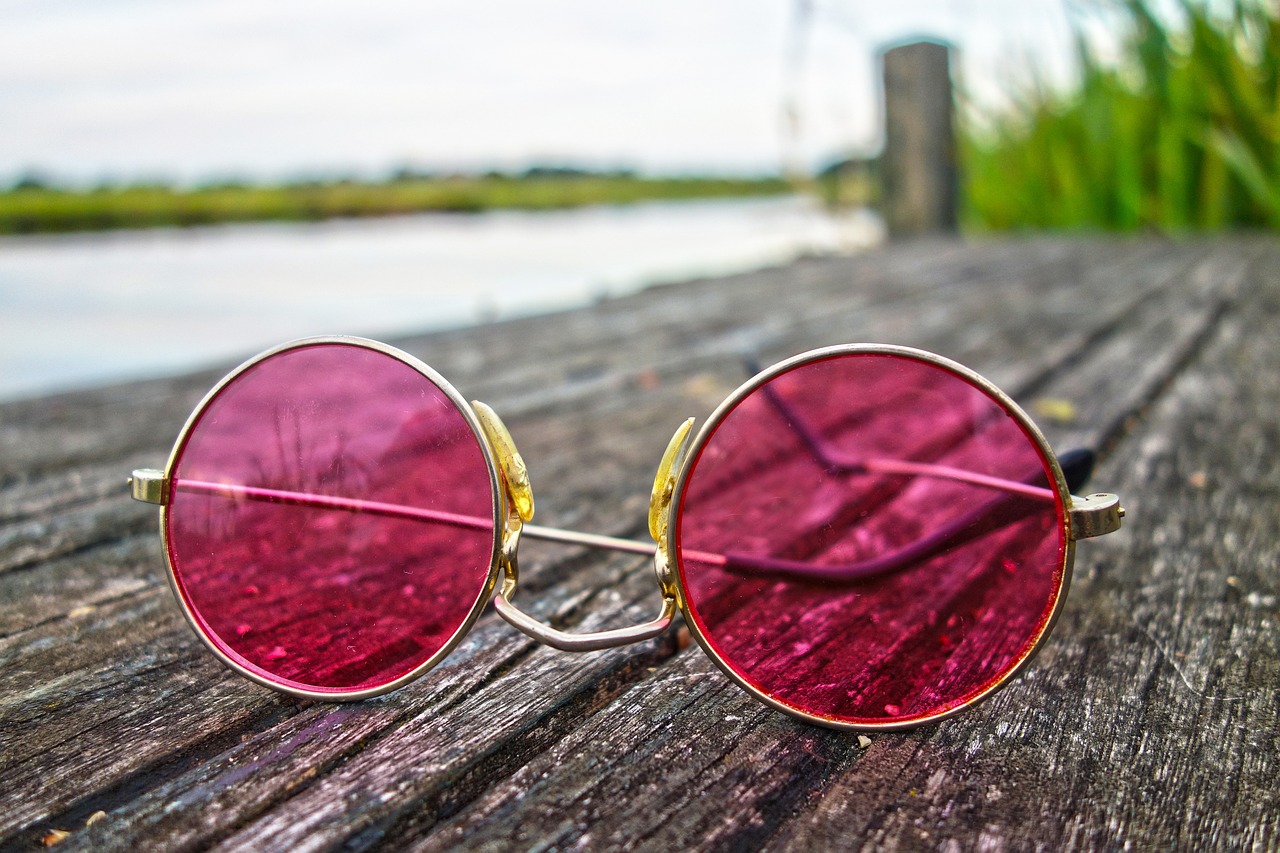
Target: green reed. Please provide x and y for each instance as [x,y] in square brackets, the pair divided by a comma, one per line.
[1181,132]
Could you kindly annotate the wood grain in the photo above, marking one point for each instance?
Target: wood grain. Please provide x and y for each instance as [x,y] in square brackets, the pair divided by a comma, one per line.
[1150,720]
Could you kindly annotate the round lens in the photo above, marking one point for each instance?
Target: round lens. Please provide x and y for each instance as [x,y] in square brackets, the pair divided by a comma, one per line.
[331,520]
[870,538]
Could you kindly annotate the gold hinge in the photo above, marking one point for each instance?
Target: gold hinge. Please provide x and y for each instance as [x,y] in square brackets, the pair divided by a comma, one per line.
[150,486]
[1095,515]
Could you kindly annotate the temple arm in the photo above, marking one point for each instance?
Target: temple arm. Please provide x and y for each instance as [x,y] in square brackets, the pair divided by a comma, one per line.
[407,513]
[965,528]
[152,487]
[837,459]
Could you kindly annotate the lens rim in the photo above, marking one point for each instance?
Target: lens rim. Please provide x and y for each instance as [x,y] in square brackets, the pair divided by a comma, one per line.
[498,503]
[750,386]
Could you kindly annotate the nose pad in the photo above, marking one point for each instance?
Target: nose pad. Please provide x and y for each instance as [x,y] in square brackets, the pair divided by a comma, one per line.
[514,473]
[664,482]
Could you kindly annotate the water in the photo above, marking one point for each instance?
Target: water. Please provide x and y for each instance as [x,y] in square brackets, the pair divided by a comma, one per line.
[82,310]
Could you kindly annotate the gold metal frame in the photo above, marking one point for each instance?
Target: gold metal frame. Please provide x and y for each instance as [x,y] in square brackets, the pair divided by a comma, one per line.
[513,510]
[157,486]
[722,411]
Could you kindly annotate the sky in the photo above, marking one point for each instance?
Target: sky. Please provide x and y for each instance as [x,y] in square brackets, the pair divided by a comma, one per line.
[243,89]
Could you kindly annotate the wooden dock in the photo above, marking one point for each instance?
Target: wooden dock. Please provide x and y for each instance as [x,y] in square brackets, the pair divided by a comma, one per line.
[1151,720]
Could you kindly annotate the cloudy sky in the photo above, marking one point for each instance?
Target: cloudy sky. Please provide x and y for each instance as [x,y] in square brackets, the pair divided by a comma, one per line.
[202,89]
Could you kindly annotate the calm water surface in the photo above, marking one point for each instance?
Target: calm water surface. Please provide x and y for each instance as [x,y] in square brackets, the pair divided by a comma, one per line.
[86,309]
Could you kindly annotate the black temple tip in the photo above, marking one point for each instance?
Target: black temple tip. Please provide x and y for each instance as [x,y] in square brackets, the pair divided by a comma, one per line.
[1077,466]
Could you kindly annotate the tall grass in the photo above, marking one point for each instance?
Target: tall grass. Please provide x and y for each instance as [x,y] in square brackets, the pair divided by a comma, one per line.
[1181,132]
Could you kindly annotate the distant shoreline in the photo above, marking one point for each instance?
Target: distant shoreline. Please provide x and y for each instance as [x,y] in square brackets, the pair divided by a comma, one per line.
[82,310]
[37,209]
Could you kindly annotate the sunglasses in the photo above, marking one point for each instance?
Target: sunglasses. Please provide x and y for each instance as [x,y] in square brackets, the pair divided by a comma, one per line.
[863,536]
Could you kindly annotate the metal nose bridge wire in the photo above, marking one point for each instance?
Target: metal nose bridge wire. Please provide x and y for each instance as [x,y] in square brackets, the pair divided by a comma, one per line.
[589,642]
[517,524]
[564,640]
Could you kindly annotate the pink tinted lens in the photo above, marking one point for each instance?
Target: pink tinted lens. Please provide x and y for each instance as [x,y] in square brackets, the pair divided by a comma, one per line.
[331,520]
[871,539]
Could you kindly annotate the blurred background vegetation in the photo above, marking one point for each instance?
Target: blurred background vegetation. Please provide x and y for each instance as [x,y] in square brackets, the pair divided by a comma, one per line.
[1178,130]
[1172,122]
[34,206]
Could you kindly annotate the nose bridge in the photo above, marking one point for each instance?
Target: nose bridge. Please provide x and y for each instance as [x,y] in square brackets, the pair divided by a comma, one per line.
[519,495]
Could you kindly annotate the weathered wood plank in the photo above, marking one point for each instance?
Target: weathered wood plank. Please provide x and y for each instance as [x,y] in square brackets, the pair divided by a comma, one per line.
[1165,729]
[1140,759]
[107,701]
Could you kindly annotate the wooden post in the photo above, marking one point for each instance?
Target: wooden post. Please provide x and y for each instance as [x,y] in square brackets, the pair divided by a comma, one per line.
[918,168]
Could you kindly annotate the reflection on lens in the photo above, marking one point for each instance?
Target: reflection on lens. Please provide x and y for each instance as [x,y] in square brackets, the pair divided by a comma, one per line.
[283,533]
[870,538]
